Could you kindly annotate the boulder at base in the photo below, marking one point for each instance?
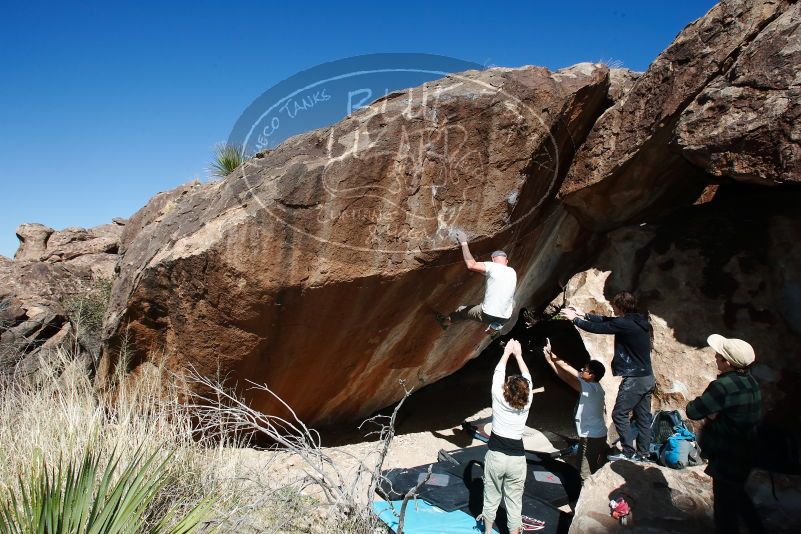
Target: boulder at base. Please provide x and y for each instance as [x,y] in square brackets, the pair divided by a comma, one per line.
[662,500]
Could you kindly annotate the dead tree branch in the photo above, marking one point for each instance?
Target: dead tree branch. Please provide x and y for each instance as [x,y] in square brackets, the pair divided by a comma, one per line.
[409,494]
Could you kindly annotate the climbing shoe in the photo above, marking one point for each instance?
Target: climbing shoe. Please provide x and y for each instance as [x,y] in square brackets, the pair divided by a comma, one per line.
[622,456]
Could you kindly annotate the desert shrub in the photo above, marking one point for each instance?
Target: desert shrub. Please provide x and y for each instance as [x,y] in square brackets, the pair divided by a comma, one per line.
[4,304]
[336,489]
[226,159]
[61,420]
[611,63]
[81,497]
[86,311]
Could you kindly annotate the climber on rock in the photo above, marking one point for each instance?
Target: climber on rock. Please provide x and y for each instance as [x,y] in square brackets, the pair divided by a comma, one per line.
[498,303]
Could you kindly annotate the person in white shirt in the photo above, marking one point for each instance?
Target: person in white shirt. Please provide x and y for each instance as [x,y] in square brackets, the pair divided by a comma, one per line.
[590,409]
[505,462]
[498,304]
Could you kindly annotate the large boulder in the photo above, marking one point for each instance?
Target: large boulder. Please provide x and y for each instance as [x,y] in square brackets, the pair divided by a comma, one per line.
[631,167]
[316,267]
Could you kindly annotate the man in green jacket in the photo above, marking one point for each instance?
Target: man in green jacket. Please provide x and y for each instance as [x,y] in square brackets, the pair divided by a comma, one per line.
[732,405]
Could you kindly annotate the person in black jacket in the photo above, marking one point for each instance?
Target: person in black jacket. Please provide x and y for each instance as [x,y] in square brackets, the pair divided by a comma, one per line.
[632,361]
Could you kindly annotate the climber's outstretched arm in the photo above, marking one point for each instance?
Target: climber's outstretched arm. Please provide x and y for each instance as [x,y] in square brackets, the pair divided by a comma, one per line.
[563,370]
[472,264]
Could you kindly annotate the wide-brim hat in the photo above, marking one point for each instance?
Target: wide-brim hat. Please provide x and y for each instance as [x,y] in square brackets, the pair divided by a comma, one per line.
[737,352]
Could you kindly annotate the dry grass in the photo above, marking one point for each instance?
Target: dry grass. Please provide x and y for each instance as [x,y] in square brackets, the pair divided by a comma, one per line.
[341,487]
[57,417]
[60,414]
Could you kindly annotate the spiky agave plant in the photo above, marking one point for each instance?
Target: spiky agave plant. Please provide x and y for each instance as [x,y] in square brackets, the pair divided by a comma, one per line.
[77,499]
[226,159]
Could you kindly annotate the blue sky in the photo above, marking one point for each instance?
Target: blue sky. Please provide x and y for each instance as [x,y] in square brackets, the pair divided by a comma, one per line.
[104,104]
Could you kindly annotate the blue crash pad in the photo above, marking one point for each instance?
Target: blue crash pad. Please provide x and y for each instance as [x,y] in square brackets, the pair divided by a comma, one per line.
[424,518]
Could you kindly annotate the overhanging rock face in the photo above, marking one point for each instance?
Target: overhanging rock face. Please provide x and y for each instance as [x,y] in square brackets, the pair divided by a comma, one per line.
[315,268]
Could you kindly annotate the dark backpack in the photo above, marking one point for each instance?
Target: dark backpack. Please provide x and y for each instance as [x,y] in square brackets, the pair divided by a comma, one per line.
[672,443]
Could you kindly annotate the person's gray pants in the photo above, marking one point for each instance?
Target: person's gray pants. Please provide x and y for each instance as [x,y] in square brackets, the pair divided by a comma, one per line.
[634,404]
[504,476]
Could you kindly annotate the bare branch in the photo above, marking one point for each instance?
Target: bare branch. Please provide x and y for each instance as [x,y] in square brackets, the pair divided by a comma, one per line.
[224,411]
[409,494]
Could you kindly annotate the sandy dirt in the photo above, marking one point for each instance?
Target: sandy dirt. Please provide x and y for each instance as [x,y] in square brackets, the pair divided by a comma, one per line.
[430,420]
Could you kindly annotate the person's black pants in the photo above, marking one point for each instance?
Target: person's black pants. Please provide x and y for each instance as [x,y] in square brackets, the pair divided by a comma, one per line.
[732,503]
[591,456]
[634,404]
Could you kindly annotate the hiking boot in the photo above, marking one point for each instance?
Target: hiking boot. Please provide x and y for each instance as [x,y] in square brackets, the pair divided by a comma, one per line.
[639,457]
[632,457]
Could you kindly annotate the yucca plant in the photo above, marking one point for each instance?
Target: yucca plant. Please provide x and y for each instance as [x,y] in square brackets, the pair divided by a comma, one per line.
[226,159]
[77,499]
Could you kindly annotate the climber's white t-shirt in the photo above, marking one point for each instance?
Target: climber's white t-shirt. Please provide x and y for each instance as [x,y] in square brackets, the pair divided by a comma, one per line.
[590,411]
[500,291]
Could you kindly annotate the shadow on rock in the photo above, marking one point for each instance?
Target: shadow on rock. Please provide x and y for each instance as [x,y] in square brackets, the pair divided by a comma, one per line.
[659,504]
